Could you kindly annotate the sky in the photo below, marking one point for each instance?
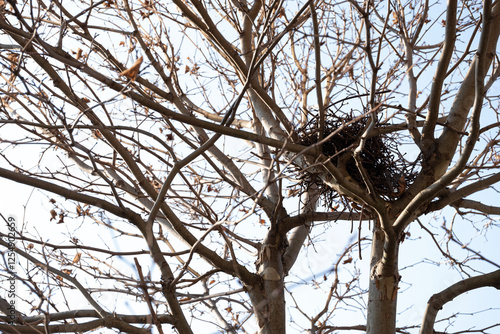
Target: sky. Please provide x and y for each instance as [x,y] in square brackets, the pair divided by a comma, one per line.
[423,272]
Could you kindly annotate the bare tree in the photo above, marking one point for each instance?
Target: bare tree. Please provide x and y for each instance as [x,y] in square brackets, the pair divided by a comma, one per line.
[214,140]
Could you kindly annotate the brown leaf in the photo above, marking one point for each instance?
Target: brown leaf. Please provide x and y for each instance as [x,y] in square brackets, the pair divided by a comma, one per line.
[78,54]
[281,12]
[97,134]
[53,214]
[77,258]
[133,70]
[395,19]
[14,59]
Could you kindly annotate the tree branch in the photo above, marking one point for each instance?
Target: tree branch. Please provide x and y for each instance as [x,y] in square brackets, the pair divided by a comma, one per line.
[437,301]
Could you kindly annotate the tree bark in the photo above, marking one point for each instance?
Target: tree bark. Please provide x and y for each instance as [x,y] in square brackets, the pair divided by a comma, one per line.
[268,298]
[384,279]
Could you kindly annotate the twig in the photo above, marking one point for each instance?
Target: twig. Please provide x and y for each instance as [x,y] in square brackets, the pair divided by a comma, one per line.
[147,297]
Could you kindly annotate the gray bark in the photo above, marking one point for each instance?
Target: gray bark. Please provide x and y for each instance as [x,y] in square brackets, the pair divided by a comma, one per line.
[383,288]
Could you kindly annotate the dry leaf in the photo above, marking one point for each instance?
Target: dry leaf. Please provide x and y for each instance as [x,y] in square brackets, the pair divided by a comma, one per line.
[14,59]
[77,258]
[53,214]
[133,70]
[97,134]
[395,19]
[281,12]
[78,54]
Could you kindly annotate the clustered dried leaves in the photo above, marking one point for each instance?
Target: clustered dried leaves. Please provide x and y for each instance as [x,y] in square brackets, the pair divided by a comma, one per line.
[388,170]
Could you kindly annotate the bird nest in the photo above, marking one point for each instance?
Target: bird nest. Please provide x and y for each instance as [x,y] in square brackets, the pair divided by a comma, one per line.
[388,171]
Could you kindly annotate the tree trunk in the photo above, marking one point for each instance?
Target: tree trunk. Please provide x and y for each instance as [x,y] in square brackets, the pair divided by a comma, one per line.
[268,298]
[384,278]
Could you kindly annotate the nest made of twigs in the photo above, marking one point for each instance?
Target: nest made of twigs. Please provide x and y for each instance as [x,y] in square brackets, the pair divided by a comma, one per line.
[388,171]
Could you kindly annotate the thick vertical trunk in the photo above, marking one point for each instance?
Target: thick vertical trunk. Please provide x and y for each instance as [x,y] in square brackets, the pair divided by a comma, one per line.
[269,308]
[383,288]
[268,298]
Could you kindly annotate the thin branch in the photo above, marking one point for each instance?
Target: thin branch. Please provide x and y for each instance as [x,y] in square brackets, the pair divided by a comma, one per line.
[58,272]
[147,297]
